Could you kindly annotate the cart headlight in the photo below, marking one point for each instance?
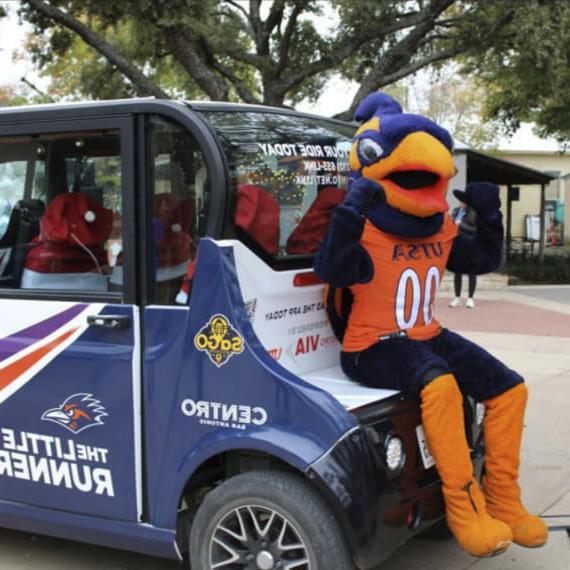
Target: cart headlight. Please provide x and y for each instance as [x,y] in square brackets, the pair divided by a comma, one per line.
[395,453]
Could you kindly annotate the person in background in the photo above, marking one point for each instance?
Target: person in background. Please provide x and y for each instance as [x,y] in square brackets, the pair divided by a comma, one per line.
[466,219]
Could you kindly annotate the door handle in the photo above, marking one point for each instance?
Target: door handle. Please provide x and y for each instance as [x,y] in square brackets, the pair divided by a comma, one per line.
[115,322]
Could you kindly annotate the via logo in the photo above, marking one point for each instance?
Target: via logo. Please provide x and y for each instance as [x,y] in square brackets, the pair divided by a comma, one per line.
[78,412]
[307,344]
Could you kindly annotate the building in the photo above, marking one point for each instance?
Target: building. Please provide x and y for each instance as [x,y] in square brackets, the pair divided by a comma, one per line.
[523,193]
[544,155]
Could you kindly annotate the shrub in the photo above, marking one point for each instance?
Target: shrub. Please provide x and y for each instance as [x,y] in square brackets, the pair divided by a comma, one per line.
[554,270]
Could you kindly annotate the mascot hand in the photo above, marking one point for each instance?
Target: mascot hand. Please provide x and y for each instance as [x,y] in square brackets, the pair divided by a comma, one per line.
[483,197]
[364,194]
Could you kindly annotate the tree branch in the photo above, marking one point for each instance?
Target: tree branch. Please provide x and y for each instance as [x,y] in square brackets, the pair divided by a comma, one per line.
[240,86]
[434,37]
[287,35]
[400,55]
[256,24]
[212,61]
[416,66]
[403,22]
[352,44]
[276,88]
[259,62]
[263,30]
[450,22]
[182,50]
[239,7]
[378,77]
[142,84]
[275,17]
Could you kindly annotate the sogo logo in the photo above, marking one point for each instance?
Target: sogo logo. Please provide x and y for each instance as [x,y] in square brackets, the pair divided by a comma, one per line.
[219,340]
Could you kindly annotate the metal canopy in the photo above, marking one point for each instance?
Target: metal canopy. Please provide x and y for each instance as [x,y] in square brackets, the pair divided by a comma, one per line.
[483,167]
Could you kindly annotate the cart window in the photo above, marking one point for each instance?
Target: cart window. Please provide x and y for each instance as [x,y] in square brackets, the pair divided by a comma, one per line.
[60,211]
[288,173]
[22,175]
[180,189]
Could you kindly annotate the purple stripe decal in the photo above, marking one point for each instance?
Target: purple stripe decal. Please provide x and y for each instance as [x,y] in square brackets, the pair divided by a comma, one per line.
[12,344]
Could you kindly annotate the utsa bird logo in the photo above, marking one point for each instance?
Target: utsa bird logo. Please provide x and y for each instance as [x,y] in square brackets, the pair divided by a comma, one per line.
[78,412]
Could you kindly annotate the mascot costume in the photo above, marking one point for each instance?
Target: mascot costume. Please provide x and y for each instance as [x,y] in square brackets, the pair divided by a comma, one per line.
[388,244]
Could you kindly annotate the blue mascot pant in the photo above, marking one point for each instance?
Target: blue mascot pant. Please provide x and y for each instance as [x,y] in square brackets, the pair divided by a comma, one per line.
[409,365]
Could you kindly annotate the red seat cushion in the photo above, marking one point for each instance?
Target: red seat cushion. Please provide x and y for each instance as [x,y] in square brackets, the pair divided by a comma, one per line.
[53,257]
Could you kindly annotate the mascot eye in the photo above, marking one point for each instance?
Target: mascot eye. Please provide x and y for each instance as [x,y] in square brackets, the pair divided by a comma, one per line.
[369,150]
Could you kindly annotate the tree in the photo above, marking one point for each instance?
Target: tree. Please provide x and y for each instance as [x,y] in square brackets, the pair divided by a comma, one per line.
[527,72]
[452,99]
[76,71]
[271,52]
[11,96]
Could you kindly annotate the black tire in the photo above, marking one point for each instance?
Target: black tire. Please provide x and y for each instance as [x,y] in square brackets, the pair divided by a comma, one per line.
[310,523]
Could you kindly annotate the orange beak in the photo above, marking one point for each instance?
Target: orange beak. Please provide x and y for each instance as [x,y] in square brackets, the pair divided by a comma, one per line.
[415,176]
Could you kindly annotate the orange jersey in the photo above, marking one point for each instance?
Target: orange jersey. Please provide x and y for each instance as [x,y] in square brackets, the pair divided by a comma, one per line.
[401,294]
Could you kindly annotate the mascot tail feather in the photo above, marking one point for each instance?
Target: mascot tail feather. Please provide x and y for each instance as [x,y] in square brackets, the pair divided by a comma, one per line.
[503,429]
[442,417]
[338,304]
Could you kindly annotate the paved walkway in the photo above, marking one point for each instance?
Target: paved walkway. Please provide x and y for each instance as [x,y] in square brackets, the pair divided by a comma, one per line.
[552,293]
[529,329]
[505,316]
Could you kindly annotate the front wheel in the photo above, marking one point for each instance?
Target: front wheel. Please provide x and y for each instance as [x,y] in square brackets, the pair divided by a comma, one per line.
[263,520]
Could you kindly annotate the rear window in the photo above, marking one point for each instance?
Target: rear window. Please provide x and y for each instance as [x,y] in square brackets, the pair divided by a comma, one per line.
[288,173]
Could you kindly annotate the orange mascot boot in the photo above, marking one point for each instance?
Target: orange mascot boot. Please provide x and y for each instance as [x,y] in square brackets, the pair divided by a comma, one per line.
[467,518]
[503,427]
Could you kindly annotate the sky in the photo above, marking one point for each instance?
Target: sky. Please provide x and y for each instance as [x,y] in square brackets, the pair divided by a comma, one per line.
[335,98]
[12,36]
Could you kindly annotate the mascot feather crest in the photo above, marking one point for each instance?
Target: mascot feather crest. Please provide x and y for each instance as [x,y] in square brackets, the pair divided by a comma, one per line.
[377,104]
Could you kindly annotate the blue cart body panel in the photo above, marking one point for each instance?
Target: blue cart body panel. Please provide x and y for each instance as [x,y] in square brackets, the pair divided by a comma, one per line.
[194,409]
[300,422]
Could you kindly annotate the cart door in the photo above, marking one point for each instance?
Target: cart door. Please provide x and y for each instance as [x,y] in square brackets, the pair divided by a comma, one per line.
[69,338]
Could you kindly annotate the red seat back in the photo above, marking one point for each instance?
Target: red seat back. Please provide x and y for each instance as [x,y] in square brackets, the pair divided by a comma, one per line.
[257,214]
[310,232]
[73,232]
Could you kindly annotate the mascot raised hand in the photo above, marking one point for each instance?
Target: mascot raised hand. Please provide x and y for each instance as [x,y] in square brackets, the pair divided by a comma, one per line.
[389,243]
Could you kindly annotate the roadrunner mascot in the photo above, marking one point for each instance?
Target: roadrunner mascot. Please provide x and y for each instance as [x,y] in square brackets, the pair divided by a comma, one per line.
[389,243]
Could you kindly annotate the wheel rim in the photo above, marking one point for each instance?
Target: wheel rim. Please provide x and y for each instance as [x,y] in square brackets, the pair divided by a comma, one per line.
[254,537]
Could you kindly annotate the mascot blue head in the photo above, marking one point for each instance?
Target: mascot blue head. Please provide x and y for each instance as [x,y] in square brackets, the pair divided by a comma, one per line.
[409,155]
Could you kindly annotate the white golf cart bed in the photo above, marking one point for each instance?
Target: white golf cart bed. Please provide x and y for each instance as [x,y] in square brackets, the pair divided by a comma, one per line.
[290,320]
[350,394]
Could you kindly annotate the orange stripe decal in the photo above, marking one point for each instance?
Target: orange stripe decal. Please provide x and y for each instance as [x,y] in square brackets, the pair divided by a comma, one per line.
[16,369]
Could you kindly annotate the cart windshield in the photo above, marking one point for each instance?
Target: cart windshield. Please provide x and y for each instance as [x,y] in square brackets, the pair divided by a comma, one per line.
[288,173]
